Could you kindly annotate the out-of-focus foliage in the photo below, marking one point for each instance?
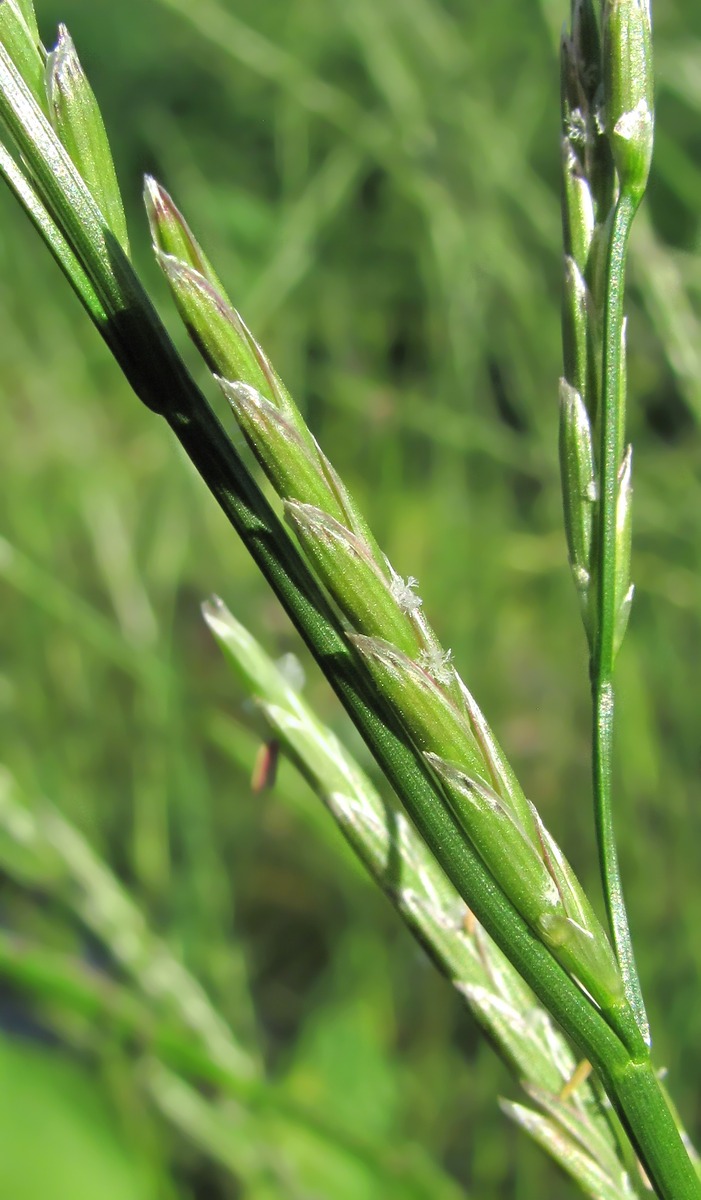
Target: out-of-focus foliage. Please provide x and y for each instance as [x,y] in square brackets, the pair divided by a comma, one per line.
[377,185]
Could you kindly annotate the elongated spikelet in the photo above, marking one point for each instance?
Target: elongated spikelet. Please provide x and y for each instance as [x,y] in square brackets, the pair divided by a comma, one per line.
[77,119]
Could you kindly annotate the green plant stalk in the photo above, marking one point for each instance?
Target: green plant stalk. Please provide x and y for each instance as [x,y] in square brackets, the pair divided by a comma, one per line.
[150,363]
[602,665]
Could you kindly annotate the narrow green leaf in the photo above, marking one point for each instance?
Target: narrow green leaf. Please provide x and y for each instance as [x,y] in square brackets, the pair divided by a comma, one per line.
[24,854]
[54,239]
[26,8]
[57,856]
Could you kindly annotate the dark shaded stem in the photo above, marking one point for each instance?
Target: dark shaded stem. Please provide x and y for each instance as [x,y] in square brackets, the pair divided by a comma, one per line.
[612,426]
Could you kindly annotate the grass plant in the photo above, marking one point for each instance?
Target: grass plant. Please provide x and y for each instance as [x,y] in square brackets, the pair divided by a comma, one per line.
[465,858]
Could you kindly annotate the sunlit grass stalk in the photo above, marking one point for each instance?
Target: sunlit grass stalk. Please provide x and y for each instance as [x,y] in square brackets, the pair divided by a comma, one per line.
[418,719]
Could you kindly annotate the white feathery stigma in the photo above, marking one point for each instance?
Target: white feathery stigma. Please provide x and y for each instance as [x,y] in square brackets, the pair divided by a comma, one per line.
[403,592]
[437,663]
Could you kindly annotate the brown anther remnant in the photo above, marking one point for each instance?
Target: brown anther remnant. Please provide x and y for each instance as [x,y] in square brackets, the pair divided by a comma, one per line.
[581,1073]
[469,922]
[265,767]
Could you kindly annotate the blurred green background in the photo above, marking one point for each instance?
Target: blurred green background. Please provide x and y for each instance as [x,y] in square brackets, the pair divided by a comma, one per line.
[377,184]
